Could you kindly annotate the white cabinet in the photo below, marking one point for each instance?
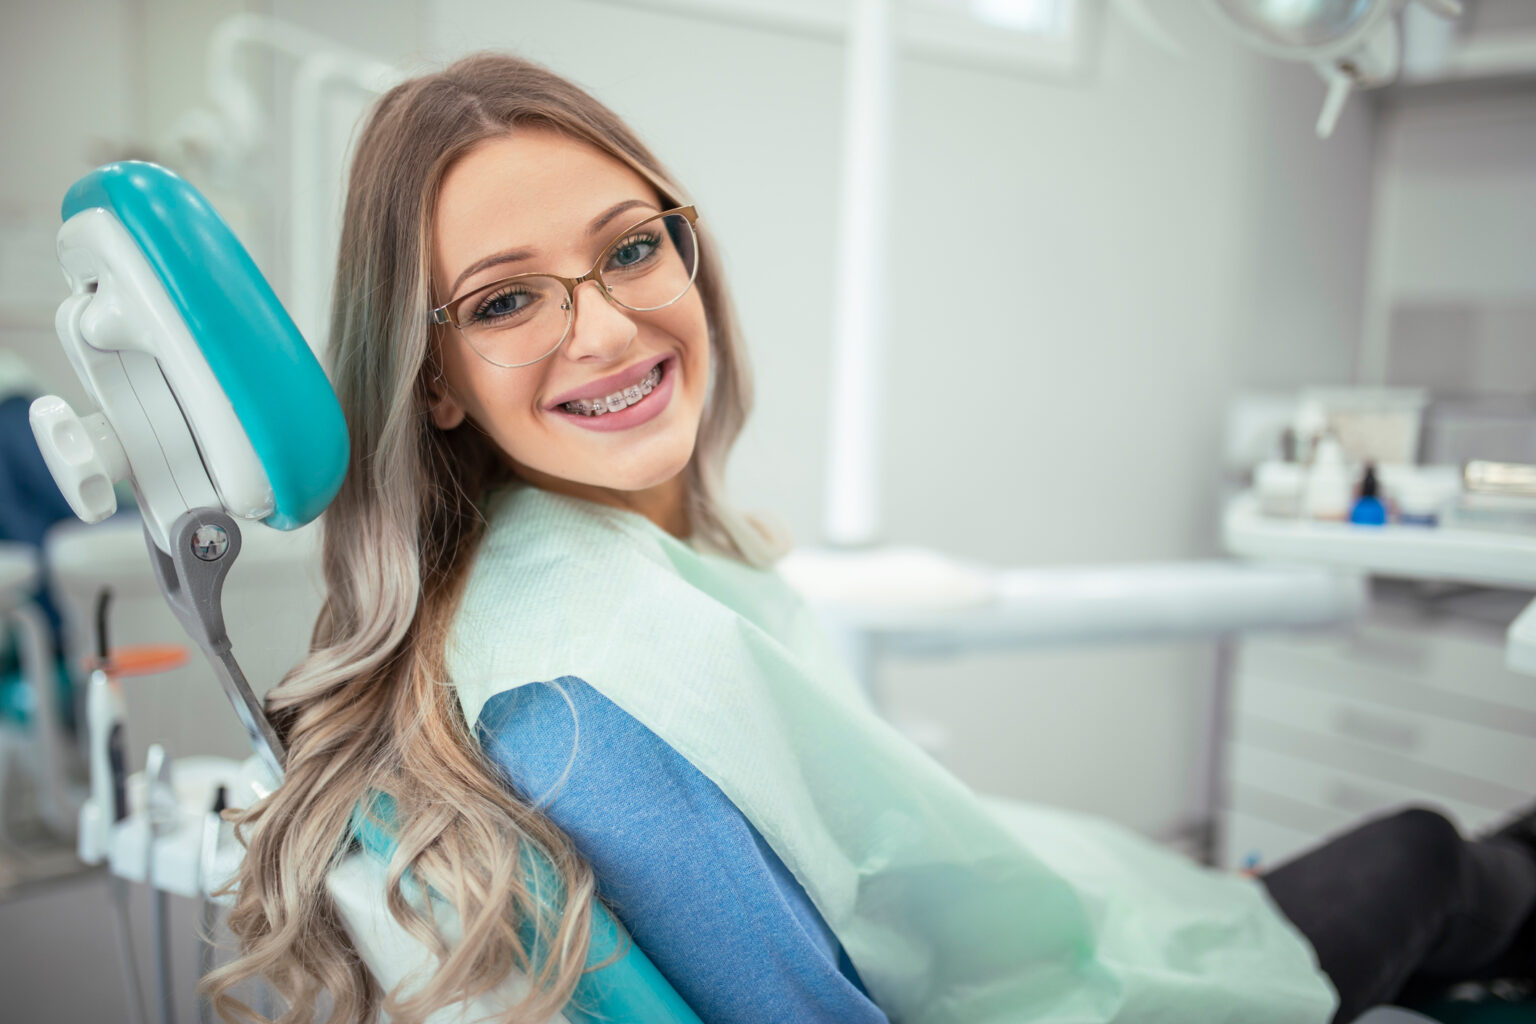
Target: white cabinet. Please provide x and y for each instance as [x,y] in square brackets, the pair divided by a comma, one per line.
[1404,708]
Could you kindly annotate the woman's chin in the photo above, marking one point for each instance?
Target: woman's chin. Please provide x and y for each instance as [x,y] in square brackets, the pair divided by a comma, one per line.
[644,472]
[645,478]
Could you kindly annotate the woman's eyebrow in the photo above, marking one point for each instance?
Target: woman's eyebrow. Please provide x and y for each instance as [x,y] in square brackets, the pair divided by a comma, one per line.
[602,219]
[514,255]
[506,256]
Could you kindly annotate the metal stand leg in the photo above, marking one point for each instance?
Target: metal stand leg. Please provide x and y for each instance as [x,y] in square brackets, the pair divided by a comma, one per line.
[1220,724]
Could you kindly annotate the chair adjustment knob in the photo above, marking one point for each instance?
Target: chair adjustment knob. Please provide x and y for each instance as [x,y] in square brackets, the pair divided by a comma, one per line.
[83,454]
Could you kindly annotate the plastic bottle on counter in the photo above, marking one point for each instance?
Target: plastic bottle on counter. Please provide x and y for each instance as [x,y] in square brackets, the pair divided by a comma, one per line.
[1330,491]
[1368,510]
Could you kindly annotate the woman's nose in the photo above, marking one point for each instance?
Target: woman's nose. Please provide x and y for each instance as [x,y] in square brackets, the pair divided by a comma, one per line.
[600,329]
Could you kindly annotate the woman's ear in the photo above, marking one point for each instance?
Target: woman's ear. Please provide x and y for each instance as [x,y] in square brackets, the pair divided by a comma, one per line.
[446,411]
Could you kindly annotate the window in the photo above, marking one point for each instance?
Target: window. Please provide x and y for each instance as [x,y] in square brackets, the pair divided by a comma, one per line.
[1049,38]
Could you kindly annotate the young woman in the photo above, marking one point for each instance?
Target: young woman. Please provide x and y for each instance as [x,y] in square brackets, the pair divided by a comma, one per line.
[548,639]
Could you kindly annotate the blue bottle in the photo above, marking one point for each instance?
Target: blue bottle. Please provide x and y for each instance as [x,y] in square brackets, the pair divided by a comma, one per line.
[1369,511]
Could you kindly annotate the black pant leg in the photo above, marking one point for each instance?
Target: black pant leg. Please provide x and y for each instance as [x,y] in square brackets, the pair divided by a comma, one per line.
[1405,897]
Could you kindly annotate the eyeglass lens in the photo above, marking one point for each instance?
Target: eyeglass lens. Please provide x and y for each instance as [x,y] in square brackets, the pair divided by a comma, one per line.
[521,320]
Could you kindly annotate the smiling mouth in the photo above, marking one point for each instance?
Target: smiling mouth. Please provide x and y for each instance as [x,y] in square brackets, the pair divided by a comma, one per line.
[621,399]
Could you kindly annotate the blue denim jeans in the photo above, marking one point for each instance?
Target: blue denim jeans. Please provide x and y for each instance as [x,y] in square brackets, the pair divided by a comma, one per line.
[1403,906]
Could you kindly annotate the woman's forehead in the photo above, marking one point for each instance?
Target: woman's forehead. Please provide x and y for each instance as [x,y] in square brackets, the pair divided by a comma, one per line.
[532,188]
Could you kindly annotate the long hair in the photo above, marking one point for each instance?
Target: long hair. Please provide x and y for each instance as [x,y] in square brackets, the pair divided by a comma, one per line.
[370,709]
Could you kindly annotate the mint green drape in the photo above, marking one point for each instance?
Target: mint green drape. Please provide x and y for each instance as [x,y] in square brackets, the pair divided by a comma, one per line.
[954,911]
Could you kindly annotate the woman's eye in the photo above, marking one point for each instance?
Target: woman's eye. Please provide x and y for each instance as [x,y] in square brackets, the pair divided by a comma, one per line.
[632,251]
[504,304]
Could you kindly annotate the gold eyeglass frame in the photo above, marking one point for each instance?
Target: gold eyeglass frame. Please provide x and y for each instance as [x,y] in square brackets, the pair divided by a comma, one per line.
[441,314]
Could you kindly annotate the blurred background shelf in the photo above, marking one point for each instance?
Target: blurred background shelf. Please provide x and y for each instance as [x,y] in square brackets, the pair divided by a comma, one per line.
[1481,557]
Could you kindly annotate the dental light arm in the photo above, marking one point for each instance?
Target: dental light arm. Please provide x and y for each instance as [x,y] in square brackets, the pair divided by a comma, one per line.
[1353,44]
[209,403]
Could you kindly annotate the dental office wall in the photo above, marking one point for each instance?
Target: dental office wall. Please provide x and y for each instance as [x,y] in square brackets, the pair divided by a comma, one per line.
[1083,271]
[1452,298]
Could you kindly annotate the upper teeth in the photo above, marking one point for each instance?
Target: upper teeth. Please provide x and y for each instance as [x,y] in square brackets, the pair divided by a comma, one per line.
[619,399]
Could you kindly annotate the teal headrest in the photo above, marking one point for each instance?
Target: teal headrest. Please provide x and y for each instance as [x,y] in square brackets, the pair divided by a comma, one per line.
[272,379]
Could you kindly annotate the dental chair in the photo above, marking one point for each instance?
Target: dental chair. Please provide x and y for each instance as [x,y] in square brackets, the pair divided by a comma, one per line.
[214,408]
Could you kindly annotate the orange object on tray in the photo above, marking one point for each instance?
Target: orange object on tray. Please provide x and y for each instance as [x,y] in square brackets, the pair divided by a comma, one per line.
[143,660]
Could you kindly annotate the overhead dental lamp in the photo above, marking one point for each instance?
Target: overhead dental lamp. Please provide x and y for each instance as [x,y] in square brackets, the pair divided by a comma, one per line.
[1353,44]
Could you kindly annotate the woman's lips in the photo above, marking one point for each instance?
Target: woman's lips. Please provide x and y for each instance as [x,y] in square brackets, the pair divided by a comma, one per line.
[643,411]
[605,386]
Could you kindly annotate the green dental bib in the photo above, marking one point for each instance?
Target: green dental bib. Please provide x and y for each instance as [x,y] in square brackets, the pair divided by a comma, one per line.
[953,911]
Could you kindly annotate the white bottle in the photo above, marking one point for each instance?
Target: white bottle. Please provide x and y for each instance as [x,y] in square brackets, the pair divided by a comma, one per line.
[1330,486]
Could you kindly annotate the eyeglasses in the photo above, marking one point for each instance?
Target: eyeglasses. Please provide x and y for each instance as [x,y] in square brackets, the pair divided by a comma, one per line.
[520,320]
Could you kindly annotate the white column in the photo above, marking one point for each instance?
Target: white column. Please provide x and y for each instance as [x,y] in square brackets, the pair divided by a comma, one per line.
[859,338]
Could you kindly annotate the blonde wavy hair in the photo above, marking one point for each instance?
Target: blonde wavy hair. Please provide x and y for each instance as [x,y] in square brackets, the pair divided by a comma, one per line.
[370,709]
